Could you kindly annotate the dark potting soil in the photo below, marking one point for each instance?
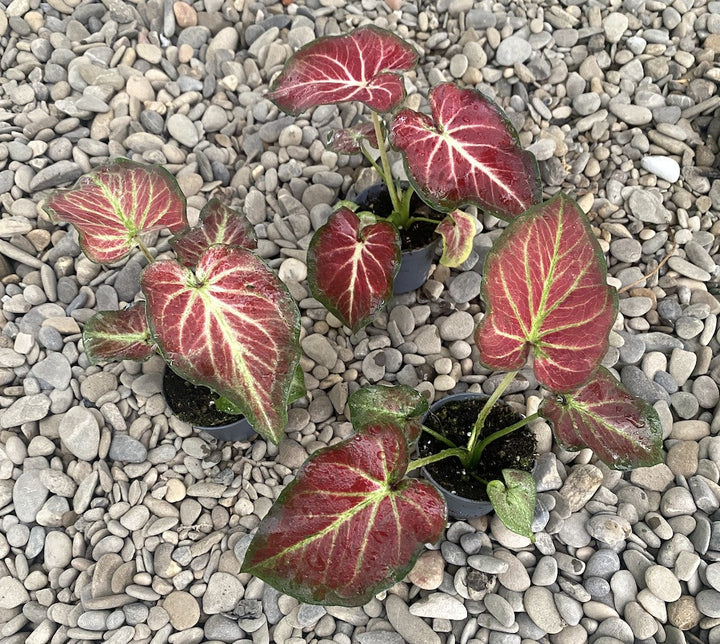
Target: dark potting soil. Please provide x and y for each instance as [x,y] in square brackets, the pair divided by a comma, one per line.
[195,404]
[376,199]
[455,421]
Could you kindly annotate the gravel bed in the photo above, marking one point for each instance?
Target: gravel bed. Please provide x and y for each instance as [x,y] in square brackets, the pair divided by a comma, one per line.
[120,523]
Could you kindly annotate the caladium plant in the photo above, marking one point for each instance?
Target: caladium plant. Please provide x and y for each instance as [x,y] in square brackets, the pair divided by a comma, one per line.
[353,522]
[465,152]
[218,315]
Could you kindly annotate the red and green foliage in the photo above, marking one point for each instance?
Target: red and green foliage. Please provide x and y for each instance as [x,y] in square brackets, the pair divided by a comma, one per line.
[351,523]
[219,316]
[466,153]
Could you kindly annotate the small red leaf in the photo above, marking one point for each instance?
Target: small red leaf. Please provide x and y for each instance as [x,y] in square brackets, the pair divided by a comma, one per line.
[349,525]
[231,325]
[218,224]
[351,266]
[623,431]
[115,204]
[467,152]
[362,66]
[349,140]
[545,290]
[400,405]
[118,335]
[458,232]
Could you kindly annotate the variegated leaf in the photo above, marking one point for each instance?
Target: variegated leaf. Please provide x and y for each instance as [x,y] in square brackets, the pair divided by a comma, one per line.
[349,140]
[363,66]
[466,152]
[231,325]
[115,204]
[400,405]
[349,525]
[545,291]
[623,431]
[458,232]
[118,335]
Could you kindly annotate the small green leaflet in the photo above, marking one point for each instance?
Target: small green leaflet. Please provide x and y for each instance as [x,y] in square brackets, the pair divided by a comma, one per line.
[514,502]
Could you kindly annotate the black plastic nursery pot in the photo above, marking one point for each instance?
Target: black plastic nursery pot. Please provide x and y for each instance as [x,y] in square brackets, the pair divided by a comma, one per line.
[419,243]
[195,404]
[454,417]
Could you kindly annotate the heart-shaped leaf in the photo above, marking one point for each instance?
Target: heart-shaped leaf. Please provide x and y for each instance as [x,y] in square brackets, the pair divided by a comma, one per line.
[467,152]
[400,405]
[364,66]
[349,140]
[623,431]
[458,231]
[545,290]
[351,266]
[349,525]
[514,502]
[118,335]
[218,224]
[115,204]
[231,325]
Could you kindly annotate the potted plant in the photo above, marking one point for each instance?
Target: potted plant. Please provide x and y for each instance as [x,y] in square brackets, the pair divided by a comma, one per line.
[465,152]
[352,522]
[217,314]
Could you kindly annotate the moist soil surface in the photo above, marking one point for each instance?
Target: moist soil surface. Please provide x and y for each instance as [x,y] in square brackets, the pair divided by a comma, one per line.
[194,404]
[376,199]
[455,420]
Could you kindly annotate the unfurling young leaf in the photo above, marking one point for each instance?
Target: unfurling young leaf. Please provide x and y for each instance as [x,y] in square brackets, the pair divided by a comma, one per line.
[458,232]
[116,203]
[514,502]
[363,66]
[231,325]
[351,266]
[118,335]
[545,291]
[218,224]
[349,525]
[400,405]
[623,431]
[466,152]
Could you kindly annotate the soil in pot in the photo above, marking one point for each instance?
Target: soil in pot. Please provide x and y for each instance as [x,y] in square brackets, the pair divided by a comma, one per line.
[376,199]
[455,420]
[195,404]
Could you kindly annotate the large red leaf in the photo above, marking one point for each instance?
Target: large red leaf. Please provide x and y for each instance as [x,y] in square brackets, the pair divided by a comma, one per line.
[623,431]
[400,405]
[349,525]
[458,232]
[115,204]
[467,152]
[351,266]
[118,335]
[545,290]
[361,66]
[231,325]
[219,224]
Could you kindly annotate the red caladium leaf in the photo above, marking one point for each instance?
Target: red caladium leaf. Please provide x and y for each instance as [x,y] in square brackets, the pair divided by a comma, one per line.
[400,405]
[623,431]
[467,152]
[231,325]
[218,224]
[351,266]
[349,525]
[118,335]
[115,204]
[458,232]
[545,290]
[349,140]
[362,66]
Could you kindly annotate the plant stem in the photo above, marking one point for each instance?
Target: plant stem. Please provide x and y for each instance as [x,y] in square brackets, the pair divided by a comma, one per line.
[460,452]
[499,434]
[426,219]
[372,162]
[482,416]
[144,250]
[387,172]
[440,437]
